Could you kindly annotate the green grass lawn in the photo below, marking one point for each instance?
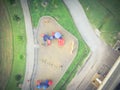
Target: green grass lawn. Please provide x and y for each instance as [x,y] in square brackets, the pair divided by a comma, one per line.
[104,15]
[57,10]
[19,43]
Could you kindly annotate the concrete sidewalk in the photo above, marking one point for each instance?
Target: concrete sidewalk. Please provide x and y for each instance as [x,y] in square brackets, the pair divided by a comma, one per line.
[82,23]
[30,46]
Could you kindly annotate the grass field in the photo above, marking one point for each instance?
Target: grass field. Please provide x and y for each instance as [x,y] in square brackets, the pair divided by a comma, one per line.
[14,12]
[57,10]
[104,15]
[6,49]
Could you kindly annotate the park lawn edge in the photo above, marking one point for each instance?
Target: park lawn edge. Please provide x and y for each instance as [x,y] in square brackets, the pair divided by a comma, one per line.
[19,45]
[104,16]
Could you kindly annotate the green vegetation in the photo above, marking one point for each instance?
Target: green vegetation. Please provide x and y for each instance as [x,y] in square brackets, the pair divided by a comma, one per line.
[18,77]
[19,43]
[104,15]
[61,14]
[12,2]
[6,49]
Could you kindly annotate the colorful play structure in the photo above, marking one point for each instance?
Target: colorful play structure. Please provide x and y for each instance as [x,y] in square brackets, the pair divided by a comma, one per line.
[43,85]
[55,35]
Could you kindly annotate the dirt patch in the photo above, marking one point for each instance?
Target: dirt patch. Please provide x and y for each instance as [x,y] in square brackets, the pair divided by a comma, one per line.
[5,47]
[54,59]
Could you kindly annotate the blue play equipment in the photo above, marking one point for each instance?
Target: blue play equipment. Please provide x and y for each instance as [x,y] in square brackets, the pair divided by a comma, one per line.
[39,86]
[46,81]
[43,85]
[57,35]
[46,37]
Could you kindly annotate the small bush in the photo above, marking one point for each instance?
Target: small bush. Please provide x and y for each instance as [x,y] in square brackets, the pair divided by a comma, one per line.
[18,77]
[20,38]
[16,18]
[21,56]
[12,2]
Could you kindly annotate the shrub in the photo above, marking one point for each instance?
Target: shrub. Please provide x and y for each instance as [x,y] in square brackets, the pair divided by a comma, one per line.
[12,2]
[18,77]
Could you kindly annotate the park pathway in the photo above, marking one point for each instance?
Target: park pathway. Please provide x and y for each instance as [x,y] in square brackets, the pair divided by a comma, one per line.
[29,47]
[101,54]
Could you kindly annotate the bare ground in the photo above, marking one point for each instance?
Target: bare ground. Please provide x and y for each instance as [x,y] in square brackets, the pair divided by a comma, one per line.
[53,60]
[5,47]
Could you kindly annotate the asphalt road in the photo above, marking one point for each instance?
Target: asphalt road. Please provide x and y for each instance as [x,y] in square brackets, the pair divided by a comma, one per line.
[101,53]
[30,46]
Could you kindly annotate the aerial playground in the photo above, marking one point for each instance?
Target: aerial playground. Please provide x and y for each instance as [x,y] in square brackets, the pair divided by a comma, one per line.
[57,49]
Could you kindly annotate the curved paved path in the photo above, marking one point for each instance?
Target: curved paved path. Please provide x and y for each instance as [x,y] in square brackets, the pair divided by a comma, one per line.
[30,46]
[101,53]
[83,24]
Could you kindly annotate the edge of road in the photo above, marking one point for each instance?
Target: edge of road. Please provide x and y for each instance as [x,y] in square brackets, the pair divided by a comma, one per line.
[109,74]
[85,61]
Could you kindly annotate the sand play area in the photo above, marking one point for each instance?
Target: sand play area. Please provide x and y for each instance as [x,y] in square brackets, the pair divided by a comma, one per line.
[53,59]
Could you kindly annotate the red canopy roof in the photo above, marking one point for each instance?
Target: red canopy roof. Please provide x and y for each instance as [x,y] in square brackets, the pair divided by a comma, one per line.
[50,82]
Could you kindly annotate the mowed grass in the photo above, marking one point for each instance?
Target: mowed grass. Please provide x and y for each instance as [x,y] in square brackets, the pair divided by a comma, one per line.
[19,44]
[6,48]
[57,10]
[104,15]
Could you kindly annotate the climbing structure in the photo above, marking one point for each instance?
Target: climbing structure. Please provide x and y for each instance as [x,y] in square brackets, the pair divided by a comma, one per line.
[55,35]
[43,85]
